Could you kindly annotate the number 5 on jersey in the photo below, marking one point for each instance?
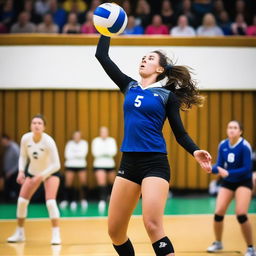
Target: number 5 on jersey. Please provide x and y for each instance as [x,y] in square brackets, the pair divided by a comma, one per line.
[138,101]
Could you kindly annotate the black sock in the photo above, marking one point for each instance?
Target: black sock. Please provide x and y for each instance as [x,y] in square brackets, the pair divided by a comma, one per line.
[67,193]
[103,191]
[163,247]
[85,191]
[125,249]
[73,194]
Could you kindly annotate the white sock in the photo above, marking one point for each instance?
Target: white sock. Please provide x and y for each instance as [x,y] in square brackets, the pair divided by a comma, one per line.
[20,230]
[55,229]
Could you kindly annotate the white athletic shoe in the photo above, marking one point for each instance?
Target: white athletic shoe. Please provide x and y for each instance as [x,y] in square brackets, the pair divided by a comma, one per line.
[18,236]
[73,205]
[250,252]
[84,204]
[56,236]
[216,246]
[63,204]
[102,206]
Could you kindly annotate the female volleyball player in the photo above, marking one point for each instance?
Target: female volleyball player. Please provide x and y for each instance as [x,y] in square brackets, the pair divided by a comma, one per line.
[38,162]
[76,151]
[234,165]
[164,89]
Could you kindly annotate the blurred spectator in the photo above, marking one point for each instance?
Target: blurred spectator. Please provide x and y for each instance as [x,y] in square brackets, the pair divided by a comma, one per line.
[209,27]
[157,27]
[186,10]
[7,15]
[225,23]
[94,4]
[167,13]
[72,27]
[218,8]
[239,26]
[88,27]
[23,25]
[126,4]
[132,28]
[59,15]
[42,7]
[10,168]
[251,30]
[200,8]
[104,149]
[3,28]
[143,13]
[183,29]
[76,151]
[241,8]
[47,26]
[80,12]
[79,5]
[29,7]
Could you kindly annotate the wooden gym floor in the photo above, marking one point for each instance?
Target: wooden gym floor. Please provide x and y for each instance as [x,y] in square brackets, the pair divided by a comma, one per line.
[190,234]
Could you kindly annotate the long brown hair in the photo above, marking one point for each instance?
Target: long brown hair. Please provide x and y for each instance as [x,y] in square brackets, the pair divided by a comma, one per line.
[180,82]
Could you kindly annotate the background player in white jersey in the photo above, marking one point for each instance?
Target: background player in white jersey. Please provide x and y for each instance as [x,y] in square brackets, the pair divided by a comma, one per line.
[104,149]
[76,151]
[234,165]
[38,162]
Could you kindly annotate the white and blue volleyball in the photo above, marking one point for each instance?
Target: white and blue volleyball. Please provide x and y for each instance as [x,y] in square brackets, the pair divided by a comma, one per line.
[109,19]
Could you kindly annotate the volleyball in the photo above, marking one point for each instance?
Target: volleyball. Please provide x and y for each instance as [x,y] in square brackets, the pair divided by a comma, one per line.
[109,19]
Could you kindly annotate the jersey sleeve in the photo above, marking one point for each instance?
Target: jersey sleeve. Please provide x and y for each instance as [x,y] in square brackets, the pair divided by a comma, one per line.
[117,76]
[54,163]
[173,115]
[23,158]
[220,160]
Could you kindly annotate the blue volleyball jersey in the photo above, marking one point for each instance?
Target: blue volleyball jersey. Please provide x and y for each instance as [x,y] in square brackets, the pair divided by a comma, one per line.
[144,116]
[236,159]
[145,110]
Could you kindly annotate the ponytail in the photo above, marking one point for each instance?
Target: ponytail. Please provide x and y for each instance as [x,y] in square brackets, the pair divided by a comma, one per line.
[180,82]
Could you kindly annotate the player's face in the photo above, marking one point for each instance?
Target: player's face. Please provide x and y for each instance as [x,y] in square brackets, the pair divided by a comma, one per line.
[37,125]
[150,65]
[233,130]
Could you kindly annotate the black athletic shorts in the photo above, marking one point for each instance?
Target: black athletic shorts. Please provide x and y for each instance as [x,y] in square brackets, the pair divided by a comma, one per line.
[75,169]
[234,185]
[103,168]
[135,166]
[57,174]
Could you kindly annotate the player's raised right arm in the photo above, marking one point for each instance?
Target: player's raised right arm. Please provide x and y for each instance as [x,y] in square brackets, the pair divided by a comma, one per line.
[118,77]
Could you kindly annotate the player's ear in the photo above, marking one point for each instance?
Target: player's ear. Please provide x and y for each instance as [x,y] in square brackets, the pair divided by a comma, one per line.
[160,70]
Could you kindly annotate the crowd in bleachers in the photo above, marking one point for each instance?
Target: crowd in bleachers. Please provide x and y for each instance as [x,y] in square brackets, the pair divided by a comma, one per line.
[167,17]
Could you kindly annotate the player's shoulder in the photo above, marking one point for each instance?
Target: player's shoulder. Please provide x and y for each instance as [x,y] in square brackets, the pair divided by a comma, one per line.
[223,143]
[48,139]
[26,137]
[247,144]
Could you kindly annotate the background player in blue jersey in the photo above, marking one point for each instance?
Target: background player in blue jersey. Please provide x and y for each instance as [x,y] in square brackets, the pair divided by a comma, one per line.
[234,165]
[164,89]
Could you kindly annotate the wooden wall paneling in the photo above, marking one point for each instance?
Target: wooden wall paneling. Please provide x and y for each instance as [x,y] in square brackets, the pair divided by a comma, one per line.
[237,106]
[71,113]
[10,114]
[172,152]
[35,102]
[114,120]
[48,110]
[1,112]
[23,114]
[203,138]
[181,181]
[104,109]
[249,129]
[59,127]
[83,113]
[226,112]
[214,125]
[192,166]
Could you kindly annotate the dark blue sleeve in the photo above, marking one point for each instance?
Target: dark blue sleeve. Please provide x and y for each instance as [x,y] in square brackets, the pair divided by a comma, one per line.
[117,76]
[247,164]
[220,161]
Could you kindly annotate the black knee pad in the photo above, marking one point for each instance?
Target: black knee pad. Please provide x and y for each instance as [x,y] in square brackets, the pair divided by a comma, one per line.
[242,218]
[218,218]
[163,247]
